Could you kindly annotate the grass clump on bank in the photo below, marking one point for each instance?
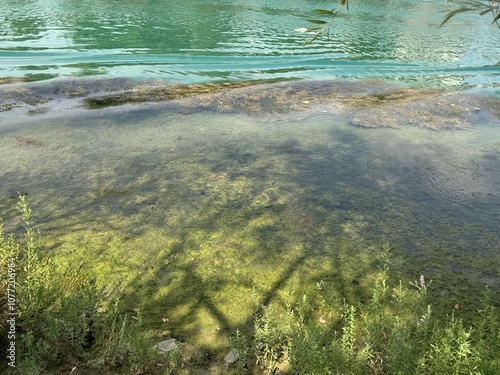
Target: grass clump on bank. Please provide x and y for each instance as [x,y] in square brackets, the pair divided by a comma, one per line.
[71,318]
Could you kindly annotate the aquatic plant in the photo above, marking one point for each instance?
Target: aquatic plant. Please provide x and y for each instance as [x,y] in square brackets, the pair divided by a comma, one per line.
[394,334]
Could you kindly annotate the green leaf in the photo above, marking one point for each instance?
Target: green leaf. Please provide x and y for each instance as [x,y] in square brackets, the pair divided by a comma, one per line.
[324,11]
[317,21]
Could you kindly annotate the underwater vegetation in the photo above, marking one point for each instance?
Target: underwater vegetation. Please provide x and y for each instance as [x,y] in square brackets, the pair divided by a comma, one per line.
[387,107]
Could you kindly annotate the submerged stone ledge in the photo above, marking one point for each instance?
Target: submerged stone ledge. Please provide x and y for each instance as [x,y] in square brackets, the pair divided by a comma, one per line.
[150,93]
[9,80]
[367,103]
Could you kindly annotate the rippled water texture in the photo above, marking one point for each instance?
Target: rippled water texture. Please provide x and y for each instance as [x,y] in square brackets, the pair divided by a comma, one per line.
[203,41]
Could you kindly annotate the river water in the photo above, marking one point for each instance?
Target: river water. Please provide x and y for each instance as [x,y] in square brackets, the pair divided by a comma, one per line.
[385,132]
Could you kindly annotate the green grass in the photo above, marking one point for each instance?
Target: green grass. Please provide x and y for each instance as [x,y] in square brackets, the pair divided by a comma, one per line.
[99,302]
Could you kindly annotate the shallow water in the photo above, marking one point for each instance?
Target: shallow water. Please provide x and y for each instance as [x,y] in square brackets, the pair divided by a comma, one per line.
[433,195]
[206,41]
[200,208]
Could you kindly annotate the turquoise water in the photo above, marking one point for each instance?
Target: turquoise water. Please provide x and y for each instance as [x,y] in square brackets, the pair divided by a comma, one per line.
[220,40]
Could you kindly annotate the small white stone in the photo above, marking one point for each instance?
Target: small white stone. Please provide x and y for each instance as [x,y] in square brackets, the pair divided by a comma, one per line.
[232,356]
[167,346]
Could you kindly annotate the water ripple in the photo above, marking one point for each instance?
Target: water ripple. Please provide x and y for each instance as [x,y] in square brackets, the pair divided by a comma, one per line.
[200,40]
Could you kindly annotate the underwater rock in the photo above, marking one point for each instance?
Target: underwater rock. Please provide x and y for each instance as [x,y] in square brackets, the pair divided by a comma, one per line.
[372,105]
[427,109]
[147,93]
[369,104]
[167,346]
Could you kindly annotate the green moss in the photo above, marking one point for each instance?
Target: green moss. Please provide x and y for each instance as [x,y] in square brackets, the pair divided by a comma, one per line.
[35,77]
[9,80]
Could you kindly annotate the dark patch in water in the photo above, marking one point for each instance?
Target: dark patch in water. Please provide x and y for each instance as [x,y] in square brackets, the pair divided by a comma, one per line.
[28,141]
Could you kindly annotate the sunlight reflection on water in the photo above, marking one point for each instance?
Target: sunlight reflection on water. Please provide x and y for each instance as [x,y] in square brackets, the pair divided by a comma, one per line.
[220,40]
